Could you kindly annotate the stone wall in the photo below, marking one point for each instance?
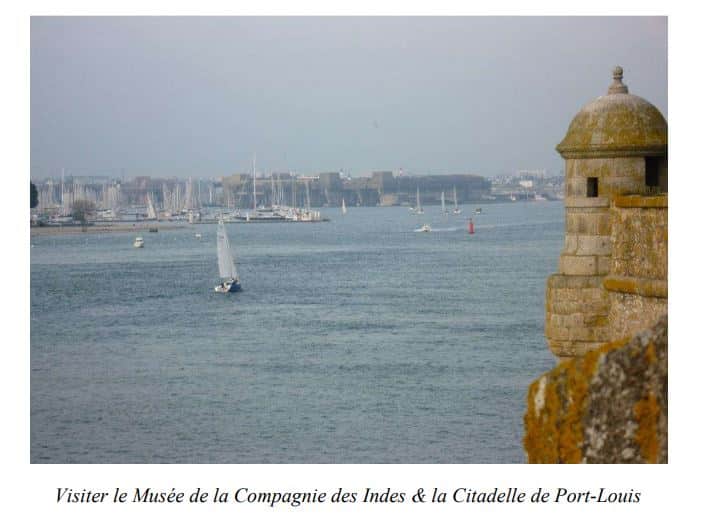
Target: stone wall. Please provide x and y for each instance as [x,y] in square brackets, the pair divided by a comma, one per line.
[612,278]
[639,246]
[630,313]
[577,309]
[616,175]
[609,406]
[637,283]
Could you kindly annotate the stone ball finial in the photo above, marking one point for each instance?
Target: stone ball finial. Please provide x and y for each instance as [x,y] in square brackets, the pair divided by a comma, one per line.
[617,85]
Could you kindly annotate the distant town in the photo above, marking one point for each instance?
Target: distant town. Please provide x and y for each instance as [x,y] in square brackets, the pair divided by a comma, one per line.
[68,198]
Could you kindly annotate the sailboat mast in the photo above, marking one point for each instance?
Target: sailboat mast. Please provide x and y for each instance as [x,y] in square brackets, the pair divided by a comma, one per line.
[293,192]
[254,166]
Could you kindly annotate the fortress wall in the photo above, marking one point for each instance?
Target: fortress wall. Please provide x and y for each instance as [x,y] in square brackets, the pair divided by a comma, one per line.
[637,283]
[630,313]
[577,309]
[640,244]
[617,175]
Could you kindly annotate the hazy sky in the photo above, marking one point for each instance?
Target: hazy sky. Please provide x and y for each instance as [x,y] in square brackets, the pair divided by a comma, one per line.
[198,96]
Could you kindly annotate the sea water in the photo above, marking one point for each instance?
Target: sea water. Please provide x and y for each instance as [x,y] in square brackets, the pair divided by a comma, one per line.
[353,341]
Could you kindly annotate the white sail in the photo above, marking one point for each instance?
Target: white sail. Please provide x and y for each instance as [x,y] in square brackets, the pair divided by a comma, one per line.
[227,268]
[418,209]
[343,208]
[151,213]
[442,200]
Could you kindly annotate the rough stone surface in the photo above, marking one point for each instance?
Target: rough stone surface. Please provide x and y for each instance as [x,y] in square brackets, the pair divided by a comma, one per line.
[629,313]
[609,406]
[614,124]
[577,264]
[639,247]
[577,309]
[623,175]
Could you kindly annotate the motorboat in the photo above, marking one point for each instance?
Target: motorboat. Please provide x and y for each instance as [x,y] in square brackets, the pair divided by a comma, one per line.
[138,242]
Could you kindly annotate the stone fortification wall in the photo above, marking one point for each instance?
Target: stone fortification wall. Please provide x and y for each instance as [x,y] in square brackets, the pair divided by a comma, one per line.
[637,283]
[617,175]
[608,407]
[606,401]
[639,247]
[577,310]
[612,278]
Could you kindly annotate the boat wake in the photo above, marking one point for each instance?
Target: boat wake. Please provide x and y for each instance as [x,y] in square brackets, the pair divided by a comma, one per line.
[443,229]
[447,229]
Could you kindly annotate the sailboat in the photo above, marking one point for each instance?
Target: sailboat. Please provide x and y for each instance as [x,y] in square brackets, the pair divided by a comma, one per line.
[343,207]
[456,210]
[418,208]
[151,213]
[227,269]
[442,202]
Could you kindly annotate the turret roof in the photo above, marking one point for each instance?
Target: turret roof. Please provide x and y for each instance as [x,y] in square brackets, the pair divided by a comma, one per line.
[617,124]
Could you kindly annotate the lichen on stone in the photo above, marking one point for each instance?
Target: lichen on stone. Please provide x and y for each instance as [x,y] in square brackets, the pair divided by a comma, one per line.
[608,406]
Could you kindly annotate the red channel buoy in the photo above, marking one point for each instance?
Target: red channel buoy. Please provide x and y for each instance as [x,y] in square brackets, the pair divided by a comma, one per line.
[470,227]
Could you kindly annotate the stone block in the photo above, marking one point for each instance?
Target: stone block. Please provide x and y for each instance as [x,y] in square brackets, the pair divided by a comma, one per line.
[564,349]
[577,265]
[593,245]
[604,265]
[615,186]
[570,244]
[583,202]
[604,225]
[559,281]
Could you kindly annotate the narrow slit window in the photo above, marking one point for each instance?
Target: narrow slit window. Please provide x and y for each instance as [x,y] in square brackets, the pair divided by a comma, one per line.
[652,172]
[592,187]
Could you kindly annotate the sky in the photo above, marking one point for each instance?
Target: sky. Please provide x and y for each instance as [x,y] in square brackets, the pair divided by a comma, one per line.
[199,96]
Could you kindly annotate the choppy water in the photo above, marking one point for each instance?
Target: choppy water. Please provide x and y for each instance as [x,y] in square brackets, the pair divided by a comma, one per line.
[357,340]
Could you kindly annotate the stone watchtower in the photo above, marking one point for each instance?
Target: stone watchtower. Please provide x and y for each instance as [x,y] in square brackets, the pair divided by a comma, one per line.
[612,270]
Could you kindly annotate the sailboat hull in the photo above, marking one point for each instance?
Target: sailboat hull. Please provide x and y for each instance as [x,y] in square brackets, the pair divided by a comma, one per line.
[233,287]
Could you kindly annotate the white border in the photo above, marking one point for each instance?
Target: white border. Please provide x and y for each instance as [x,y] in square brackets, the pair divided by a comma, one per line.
[682,484]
